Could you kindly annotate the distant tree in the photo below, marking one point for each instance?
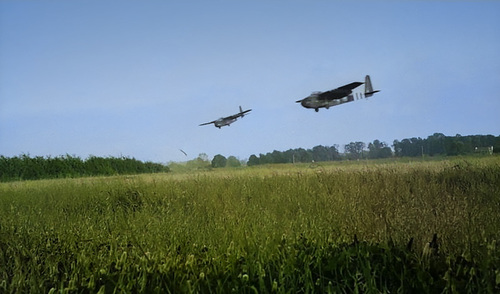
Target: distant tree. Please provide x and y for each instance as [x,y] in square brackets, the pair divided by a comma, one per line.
[278,157]
[202,157]
[325,153]
[334,151]
[379,149]
[496,144]
[439,144]
[435,144]
[354,150]
[303,155]
[397,148]
[233,162]
[416,147]
[253,160]
[219,161]
[455,145]
[265,158]
[201,162]
[25,167]
[409,147]
[321,153]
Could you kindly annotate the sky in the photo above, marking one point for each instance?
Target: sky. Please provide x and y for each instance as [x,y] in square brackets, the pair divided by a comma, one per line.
[136,78]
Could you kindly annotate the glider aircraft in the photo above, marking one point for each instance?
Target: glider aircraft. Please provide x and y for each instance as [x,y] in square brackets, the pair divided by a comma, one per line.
[337,96]
[226,121]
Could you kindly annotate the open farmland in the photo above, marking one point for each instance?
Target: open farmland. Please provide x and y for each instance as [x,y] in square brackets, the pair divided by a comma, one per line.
[340,228]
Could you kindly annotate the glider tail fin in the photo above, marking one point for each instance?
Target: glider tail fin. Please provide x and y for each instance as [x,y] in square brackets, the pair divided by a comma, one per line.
[369,88]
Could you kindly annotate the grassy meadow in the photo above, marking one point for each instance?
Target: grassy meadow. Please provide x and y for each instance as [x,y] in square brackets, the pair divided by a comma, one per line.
[340,227]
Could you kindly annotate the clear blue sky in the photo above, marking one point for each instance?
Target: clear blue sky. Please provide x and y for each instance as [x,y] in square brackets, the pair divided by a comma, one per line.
[136,78]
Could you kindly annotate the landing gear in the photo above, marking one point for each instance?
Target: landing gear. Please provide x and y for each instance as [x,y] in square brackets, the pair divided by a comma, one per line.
[316,109]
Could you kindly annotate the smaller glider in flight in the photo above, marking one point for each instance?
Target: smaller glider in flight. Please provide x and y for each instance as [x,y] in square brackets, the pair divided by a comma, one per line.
[337,96]
[226,121]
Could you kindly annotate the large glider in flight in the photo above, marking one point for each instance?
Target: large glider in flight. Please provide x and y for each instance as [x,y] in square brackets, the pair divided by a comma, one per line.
[226,121]
[337,96]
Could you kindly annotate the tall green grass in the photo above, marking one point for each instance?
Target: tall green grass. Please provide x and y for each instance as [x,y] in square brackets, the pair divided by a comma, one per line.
[339,228]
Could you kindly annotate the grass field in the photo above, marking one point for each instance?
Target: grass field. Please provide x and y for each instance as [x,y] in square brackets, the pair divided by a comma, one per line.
[343,227]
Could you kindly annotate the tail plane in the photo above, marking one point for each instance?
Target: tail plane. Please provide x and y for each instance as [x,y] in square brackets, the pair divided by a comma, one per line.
[242,113]
[369,88]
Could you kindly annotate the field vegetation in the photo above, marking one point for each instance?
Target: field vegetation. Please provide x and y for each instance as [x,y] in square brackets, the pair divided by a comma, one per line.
[25,167]
[436,145]
[342,227]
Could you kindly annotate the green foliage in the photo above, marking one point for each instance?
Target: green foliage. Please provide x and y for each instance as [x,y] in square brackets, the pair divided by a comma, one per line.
[379,149]
[233,162]
[317,153]
[219,161]
[25,167]
[253,160]
[439,144]
[354,150]
[199,163]
[435,145]
[279,229]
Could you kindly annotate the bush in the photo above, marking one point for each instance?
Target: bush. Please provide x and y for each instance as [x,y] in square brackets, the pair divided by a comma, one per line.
[25,167]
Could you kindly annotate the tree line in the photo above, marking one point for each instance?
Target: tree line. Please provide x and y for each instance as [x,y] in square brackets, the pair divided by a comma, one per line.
[434,145]
[25,167]
[317,153]
[440,145]
[202,162]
